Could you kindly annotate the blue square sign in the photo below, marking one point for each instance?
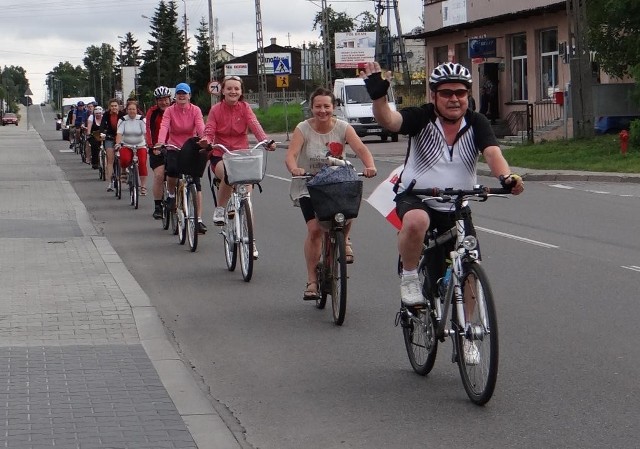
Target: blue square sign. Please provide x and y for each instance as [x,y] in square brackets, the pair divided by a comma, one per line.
[281,66]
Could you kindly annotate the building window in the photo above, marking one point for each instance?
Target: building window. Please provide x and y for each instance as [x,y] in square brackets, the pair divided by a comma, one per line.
[519,68]
[441,55]
[548,63]
[462,54]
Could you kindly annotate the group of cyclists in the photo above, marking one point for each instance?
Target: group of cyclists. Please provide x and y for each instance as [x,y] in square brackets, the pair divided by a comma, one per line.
[446,139]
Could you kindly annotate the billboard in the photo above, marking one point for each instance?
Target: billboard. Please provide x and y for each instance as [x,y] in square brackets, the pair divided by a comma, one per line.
[354,48]
[239,69]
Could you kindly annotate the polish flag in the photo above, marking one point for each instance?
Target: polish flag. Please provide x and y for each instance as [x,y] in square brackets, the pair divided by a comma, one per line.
[382,198]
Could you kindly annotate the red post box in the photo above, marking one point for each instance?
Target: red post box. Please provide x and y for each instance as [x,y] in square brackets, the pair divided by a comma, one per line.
[558,97]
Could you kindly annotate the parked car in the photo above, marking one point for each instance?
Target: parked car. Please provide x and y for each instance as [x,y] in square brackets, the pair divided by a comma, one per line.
[9,118]
[613,125]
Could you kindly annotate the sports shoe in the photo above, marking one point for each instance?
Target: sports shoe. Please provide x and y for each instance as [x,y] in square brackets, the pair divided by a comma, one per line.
[410,290]
[218,216]
[109,187]
[256,254]
[471,353]
[171,203]
[201,228]
[157,212]
[231,211]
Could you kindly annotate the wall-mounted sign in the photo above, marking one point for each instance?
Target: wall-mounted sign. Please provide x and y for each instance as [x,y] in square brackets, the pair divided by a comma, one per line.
[482,48]
[239,69]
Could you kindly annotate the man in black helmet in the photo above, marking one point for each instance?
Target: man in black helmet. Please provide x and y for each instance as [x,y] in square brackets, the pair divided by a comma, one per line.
[445,141]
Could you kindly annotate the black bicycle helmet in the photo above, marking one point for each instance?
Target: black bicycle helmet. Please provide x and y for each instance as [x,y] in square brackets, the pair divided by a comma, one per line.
[449,72]
[161,92]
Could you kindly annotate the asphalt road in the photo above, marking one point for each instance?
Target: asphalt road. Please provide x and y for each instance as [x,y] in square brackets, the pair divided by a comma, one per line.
[564,261]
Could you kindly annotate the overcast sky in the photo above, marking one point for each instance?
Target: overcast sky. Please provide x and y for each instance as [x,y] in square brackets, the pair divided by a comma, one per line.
[38,34]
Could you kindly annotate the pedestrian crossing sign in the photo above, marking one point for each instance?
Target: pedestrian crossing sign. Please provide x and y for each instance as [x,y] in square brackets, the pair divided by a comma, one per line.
[281,66]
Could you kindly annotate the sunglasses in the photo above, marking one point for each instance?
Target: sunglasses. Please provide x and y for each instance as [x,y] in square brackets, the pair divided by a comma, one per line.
[448,93]
[232,77]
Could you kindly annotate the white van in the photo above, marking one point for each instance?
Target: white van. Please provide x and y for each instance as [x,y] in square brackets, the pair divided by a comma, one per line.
[353,105]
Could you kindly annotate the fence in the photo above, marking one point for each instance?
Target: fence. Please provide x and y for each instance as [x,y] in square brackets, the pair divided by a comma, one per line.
[535,118]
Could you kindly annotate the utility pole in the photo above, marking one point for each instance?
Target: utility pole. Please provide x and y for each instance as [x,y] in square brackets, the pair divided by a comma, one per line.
[186,44]
[326,50]
[393,60]
[262,75]
[581,96]
[212,50]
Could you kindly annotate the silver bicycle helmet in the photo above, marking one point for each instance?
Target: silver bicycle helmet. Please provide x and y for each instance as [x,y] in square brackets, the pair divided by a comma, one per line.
[449,72]
[162,92]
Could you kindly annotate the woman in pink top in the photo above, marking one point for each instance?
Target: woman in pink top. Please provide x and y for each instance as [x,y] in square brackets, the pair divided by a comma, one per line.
[180,122]
[227,124]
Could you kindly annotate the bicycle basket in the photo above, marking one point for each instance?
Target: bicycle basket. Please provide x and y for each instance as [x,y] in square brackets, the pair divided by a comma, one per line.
[245,166]
[190,161]
[329,199]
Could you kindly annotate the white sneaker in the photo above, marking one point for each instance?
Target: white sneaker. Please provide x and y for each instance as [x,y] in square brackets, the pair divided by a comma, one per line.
[471,353]
[410,290]
[256,254]
[218,216]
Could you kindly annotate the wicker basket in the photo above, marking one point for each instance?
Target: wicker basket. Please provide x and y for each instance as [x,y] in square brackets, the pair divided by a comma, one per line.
[245,166]
[330,199]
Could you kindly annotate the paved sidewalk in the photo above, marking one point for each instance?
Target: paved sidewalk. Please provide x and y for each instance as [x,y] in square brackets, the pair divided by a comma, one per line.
[85,362]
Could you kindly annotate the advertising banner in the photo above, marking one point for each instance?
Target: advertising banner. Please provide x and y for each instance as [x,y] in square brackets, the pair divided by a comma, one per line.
[354,48]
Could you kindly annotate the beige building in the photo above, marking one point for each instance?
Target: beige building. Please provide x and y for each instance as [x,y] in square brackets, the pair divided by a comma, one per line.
[517,44]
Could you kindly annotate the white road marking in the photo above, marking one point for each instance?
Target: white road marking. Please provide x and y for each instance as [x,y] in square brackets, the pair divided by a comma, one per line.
[561,186]
[632,268]
[598,191]
[515,237]
[278,177]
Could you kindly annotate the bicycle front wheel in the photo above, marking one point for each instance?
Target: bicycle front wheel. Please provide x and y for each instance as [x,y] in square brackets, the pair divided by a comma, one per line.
[245,240]
[166,213]
[338,278]
[118,179]
[230,246]
[477,343]
[181,214]
[192,217]
[135,187]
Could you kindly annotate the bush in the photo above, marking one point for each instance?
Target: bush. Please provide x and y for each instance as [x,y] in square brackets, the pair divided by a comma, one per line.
[634,134]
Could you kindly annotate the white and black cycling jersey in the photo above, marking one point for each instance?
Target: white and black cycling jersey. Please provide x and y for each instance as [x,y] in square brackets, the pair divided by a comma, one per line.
[431,161]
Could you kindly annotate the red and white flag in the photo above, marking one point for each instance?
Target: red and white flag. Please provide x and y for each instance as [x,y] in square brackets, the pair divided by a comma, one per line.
[382,198]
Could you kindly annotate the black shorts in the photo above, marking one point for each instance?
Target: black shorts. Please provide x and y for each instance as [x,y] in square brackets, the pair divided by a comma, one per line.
[213,161]
[307,209]
[155,160]
[440,221]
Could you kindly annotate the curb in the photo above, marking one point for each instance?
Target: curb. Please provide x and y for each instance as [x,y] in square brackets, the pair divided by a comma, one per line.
[206,426]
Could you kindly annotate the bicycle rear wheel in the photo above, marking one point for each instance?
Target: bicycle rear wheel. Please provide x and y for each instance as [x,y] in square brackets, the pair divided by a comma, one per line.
[477,344]
[338,278]
[321,276]
[192,217]
[245,239]
[102,165]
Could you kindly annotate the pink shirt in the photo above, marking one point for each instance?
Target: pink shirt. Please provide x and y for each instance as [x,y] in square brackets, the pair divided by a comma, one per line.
[228,125]
[183,122]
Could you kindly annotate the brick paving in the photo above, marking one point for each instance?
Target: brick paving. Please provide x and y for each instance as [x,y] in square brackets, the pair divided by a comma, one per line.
[73,370]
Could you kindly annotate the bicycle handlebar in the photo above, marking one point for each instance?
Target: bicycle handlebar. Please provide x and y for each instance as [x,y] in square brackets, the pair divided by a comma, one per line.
[265,143]
[450,194]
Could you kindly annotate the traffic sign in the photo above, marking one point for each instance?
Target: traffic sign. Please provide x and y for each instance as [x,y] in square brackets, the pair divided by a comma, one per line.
[281,66]
[214,88]
[282,81]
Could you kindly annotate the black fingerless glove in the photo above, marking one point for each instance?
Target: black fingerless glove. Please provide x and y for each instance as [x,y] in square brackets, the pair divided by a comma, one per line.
[376,86]
[512,178]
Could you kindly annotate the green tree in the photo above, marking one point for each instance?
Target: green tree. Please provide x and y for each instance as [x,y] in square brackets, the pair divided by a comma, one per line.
[13,85]
[200,72]
[129,56]
[366,22]
[339,22]
[164,60]
[67,80]
[99,62]
[614,33]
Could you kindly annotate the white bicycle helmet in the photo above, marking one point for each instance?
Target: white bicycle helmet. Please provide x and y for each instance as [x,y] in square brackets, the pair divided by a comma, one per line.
[98,110]
[449,72]
[161,92]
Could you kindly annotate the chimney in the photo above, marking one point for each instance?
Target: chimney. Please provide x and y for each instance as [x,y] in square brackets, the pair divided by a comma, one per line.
[224,47]
[273,41]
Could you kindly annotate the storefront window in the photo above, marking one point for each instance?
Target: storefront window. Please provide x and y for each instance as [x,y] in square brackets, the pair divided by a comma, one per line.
[548,63]
[462,54]
[519,67]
